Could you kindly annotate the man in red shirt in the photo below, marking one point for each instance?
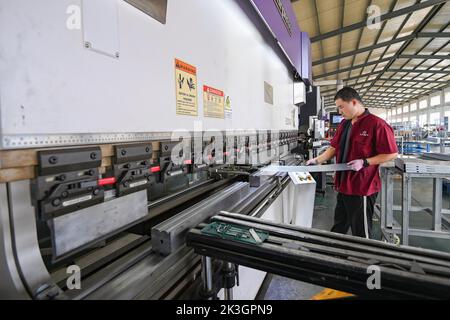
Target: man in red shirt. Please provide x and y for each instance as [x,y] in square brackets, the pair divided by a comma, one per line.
[364,141]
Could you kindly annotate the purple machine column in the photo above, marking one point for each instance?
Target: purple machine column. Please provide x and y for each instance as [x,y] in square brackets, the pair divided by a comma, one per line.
[306,66]
[280,18]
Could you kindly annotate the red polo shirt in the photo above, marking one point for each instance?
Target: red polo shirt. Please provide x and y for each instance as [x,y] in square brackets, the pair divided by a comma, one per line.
[370,136]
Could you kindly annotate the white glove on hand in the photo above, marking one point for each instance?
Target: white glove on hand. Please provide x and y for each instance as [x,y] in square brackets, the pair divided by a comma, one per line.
[312,162]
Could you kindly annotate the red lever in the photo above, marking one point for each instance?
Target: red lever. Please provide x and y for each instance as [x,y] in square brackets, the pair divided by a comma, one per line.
[155,169]
[106,181]
[187,161]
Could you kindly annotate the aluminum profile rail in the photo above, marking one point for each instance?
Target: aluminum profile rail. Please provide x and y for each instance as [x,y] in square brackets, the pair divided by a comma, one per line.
[170,234]
[332,260]
[422,166]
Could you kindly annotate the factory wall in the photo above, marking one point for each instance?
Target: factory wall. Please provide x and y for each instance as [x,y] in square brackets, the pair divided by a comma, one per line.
[50,83]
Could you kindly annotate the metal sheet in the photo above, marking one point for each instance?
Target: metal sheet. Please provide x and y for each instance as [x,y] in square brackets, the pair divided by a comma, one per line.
[150,277]
[25,242]
[154,8]
[321,168]
[11,285]
[74,230]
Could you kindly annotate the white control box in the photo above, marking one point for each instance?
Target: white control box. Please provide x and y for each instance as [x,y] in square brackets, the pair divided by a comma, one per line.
[300,199]
[301,178]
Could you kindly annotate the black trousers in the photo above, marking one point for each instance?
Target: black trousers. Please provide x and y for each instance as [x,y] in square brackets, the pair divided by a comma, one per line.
[349,213]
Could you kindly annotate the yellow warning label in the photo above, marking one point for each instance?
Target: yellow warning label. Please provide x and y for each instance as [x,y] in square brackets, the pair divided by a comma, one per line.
[213,103]
[186,88]
[228,108]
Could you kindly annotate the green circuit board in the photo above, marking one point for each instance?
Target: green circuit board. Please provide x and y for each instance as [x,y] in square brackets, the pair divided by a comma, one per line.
[235,233]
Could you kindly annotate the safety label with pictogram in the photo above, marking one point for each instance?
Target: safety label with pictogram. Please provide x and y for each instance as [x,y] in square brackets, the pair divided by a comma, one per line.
[186,88]
[213,103]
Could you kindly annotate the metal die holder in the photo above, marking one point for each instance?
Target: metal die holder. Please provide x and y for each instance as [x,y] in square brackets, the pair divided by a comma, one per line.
[215,152]
[229,150]
[251,147]
[262,141]
[269,140]
[168,168]
[263,146]
[133,168]
[195,163]
[57,191]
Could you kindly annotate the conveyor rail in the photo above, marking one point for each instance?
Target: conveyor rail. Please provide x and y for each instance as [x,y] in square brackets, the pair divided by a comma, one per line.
[332,260]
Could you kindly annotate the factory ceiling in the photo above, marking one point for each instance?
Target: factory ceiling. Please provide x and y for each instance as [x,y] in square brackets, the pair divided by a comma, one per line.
[399,57]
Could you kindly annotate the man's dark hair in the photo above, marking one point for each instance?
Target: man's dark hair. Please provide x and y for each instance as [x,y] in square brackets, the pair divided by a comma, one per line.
[347,94]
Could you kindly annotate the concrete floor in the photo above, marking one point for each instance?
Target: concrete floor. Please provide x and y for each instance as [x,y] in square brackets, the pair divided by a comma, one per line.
[281,288]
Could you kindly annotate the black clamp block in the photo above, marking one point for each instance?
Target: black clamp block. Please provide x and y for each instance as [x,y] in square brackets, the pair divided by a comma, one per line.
[133,168]
[67,180]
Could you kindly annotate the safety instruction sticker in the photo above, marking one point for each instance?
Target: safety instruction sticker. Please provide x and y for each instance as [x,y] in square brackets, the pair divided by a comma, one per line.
[213,103]
[186,92]
[228,108]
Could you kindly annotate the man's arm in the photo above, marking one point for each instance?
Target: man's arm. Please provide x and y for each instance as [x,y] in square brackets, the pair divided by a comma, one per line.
[381,158]
[327,155]
[357,165]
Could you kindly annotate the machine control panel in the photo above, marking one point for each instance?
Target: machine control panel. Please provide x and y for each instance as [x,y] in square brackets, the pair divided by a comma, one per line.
[301,178]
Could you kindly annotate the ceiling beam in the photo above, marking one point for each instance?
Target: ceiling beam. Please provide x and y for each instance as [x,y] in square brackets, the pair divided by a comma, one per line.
[352,68]
[424,56]
[419,71]
[322,53]
[396,87]
[433,35]
[369,48]
[340,37]
[400,28]
[440,84]
[423,23]
[442,29]
[413,81]
[384,44]
[390,15]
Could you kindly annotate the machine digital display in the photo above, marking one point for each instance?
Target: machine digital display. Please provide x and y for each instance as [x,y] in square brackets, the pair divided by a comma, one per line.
[336,118]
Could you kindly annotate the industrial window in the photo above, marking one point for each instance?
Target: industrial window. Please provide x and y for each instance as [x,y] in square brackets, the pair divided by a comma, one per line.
[405,119]
[435,100]
[383,116]
[447,96]
[405,109]
[399,110]
[422,119]
[413,106]
[423,104]
[394,112]
[447,114]
[413,120]
[435,118]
